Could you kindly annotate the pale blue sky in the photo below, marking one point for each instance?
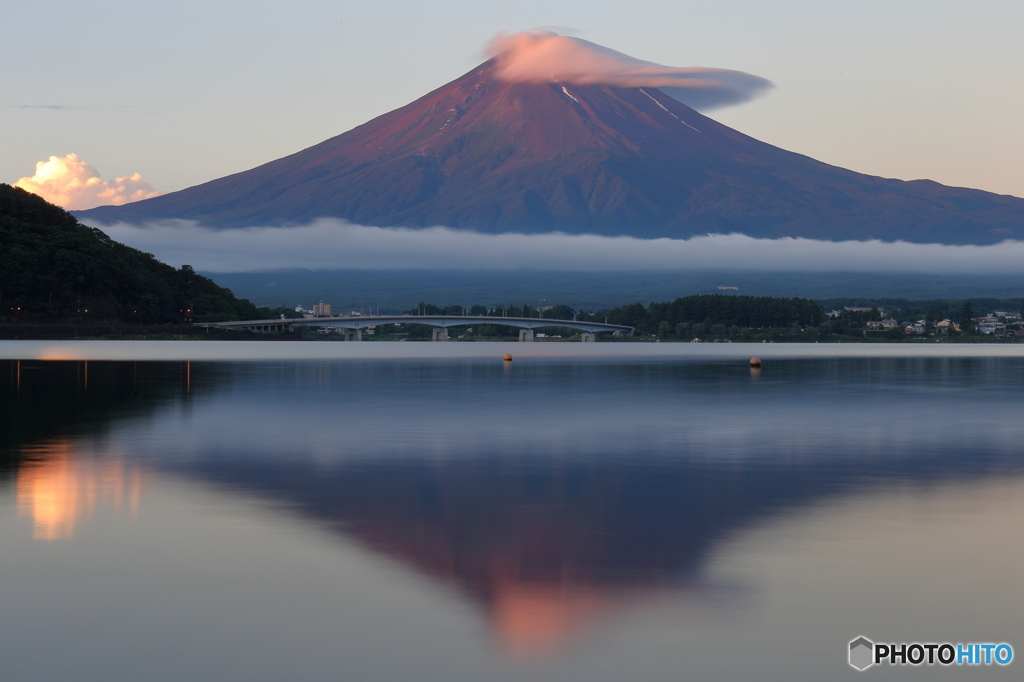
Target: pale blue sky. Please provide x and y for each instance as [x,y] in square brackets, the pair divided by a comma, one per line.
[188,91]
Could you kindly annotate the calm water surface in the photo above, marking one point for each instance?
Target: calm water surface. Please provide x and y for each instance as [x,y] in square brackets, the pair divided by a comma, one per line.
[464,519]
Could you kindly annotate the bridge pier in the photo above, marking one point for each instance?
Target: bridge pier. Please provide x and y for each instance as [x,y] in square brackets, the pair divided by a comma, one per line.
[526,335]
[440,334]
[352,334]
[588,337]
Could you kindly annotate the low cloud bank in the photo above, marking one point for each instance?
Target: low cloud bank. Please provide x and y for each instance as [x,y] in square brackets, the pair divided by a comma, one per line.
[335,244]
[71,183]
[546,57]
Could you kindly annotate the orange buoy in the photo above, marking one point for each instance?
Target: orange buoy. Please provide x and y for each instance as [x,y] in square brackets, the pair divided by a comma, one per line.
[755,362]
[508,357]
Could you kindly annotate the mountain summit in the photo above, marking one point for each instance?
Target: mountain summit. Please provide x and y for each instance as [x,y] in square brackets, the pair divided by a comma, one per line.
[493,155]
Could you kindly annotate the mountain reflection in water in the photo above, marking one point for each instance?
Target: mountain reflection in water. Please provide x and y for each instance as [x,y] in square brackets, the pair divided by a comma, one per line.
[550,494]
[544,547]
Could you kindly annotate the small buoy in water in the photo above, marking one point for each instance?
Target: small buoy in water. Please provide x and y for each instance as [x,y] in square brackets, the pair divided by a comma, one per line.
[508,357]
[755,362]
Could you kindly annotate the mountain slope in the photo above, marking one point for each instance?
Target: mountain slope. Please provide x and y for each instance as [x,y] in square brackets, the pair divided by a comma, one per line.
[488,155]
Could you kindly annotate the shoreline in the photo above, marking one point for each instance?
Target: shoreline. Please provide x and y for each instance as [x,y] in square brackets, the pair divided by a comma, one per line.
[289,350]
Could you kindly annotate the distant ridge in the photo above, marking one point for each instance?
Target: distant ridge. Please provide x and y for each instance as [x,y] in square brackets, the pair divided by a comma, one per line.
[483,154]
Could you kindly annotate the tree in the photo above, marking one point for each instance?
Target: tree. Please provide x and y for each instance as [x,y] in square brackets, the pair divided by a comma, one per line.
[967,317]
[559,312]
[425,309]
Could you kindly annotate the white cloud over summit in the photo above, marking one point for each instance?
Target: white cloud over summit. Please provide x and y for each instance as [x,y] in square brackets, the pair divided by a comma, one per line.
[334,244]
[71,183]
[545,57]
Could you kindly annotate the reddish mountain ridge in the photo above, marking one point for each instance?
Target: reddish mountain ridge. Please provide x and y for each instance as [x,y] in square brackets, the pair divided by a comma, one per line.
[488,155]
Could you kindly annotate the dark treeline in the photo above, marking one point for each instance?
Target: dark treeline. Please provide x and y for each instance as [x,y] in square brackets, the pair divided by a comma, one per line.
[54,268]
[741,318]
[558,312]
[928,309]
[745,312]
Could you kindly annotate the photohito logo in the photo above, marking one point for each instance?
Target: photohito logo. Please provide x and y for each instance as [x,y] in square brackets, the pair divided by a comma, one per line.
[864,653]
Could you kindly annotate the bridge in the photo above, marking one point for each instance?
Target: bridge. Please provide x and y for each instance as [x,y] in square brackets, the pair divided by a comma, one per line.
[353,326]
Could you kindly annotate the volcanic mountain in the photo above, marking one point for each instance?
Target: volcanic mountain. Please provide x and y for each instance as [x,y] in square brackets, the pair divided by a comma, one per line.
[489,155]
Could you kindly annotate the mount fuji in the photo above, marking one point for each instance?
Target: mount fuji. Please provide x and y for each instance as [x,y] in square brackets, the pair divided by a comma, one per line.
[491,155]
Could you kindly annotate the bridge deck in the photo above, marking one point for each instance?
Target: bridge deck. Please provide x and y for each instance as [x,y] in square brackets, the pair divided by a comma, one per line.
[443,321]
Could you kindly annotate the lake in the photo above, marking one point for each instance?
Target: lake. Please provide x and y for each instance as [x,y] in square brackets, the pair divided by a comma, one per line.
[420,511]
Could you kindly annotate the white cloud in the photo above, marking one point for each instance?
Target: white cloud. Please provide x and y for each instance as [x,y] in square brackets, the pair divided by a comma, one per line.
[72,183]
[334,244]
[546,57]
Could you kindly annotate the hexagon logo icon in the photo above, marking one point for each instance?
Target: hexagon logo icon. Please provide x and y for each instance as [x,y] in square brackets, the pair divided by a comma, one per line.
[862,653]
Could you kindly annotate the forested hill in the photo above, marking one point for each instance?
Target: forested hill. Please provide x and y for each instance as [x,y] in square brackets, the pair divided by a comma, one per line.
[53,267]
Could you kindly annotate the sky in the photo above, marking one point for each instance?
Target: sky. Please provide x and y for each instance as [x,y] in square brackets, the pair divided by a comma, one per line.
[185,92]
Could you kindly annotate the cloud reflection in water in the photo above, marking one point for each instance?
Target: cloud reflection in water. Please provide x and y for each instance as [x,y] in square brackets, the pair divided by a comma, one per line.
[57,488]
